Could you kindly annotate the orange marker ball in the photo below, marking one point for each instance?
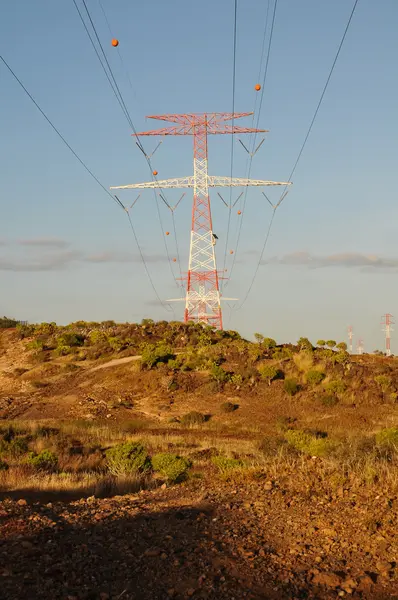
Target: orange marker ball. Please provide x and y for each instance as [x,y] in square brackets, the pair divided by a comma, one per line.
[174,260]
[115,43]
[167,232]
[155,173]
[231,251]
[257,87]
[239,212]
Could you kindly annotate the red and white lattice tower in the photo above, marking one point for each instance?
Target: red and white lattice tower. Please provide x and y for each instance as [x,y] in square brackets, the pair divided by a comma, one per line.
[387,321]
[350,335]
[202,300]
[360,346]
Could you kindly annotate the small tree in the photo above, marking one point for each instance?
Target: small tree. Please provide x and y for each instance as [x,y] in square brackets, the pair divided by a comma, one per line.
[321,343]
[304,344]
[269,373]
[259,338]
[331,343]
[269,343]
[342,346]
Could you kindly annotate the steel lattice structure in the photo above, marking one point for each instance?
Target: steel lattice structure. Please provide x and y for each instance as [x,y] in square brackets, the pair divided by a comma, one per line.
[202,300]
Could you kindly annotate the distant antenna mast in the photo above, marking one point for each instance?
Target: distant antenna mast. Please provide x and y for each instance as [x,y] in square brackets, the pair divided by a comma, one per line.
[387,321]
[350,338]
[360,346]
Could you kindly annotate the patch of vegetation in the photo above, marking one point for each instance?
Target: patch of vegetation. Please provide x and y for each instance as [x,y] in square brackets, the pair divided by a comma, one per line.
[224,464]
[314,377]
[130,458]
[228,407]
[172,466]
[304,344]
[290,386]
[308,443]
[388,438]
[269,373]
[153,354]
[7,323]
[193,418]
[329,400]
[218,374]
[336,386]
[3,465]
[44,461]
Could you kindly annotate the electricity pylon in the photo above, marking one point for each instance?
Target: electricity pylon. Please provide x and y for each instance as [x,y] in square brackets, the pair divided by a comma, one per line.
[202,300]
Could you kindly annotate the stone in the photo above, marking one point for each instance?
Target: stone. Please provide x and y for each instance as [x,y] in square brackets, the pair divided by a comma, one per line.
[330,579]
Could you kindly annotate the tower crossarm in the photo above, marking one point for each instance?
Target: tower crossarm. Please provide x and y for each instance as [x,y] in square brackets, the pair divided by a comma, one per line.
[215,181]
[178,182]
[188,182]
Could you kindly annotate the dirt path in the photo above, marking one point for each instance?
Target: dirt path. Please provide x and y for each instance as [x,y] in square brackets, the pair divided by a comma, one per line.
[115,362]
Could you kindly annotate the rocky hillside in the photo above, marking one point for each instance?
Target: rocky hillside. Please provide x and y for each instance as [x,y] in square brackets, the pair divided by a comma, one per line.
[163,460]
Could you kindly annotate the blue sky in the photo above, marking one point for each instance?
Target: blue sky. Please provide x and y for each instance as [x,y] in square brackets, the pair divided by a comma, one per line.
[66,251]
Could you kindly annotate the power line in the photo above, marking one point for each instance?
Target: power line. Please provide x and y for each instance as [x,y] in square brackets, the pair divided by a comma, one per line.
[233,121]
[302,148]
[258,119]
[119,96]
[59,134]
[323,92]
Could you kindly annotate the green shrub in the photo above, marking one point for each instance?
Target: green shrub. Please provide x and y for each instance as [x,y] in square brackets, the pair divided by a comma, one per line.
[269,373]
[228,407]
[17,447]
[3,465]
[97,336]
[236,379]
[304,344]
[225,464]
[193,418]
[268,343]
[329,400]
[321,343]
[153,354]
[218,374]
[290,386]
[6,322]
[336,386]
[308,443]
[383,381]
[174,467]
[315,377]
[388,438]
[129,458]
[70,339]
[331,343]
[44,461]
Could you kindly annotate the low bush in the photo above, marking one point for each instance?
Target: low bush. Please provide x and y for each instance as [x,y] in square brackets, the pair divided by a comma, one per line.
[336,386]
[172,466]
[290,386]
[3,465]
[153,354]
[224,464]
[314,377]
[308,443]
[218,374]
[130,458]
[388,438]
[328,399]
[228,407]
[44,461]
[193,418]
